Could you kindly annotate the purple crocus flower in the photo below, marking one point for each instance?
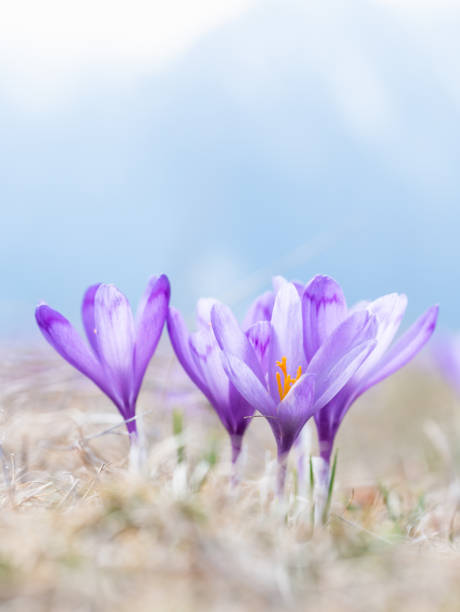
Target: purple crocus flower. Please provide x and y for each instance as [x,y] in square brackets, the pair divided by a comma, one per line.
[276,375]
[324,310]
[199,355]
[446,353]
[120,347]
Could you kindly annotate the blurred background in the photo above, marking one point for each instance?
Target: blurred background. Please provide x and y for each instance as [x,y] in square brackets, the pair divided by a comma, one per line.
[223,142]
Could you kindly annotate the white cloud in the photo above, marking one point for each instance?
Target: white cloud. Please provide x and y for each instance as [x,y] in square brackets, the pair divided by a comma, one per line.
[361,53]
[47,47]
[378,61]
[433,26]
[421,7]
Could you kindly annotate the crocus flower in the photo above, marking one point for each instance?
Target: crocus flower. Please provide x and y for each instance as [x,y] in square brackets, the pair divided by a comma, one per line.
[199,355]
[120,347]
[324,310]
[276,375]
[446,352]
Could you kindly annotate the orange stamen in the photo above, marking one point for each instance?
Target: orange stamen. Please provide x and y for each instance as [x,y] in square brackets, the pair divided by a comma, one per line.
[283,389]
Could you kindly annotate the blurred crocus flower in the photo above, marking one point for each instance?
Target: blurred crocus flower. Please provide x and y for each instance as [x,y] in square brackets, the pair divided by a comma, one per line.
[120,346]
[281,376]
[446,353]
[324,310]
[199,355]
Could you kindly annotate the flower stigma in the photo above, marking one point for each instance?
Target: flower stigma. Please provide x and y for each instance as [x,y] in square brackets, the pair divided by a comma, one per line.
[283,389]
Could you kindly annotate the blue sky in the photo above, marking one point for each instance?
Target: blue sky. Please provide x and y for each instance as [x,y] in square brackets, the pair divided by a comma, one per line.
[225,145]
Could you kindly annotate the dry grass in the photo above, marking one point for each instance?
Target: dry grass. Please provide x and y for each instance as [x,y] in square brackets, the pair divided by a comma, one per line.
[78,532]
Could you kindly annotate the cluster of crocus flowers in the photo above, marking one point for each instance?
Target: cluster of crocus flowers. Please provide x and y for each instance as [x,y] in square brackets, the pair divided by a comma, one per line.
[269,366]
[300,353]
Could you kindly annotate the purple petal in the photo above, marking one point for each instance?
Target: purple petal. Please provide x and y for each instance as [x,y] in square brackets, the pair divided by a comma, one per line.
[298,402]
[200,357]
[259,335]
[150,319]
[146,296]
[361,305]
[87,315]
[299,287]
[323,308]
[64,338]
[230,406]
[389,311]
[206,354]
[231,339]
[247,383]
[327,422]
[203,311]
[115,333]
[260,310]
[279,281]
[286,334]
[238,416]
[293,412]
[180,340]
[341,355]
[410,343]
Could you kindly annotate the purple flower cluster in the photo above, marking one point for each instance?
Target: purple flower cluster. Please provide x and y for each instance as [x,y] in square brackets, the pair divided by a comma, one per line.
[299,353]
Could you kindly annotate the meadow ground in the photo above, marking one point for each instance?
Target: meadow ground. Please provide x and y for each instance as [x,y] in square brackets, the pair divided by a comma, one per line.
[78,532]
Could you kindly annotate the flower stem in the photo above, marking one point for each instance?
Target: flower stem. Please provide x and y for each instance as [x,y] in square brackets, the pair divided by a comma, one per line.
[325,449]
[282,470]
[236,442]
[320,488]
[324,478]
[137,449]
[302,446]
